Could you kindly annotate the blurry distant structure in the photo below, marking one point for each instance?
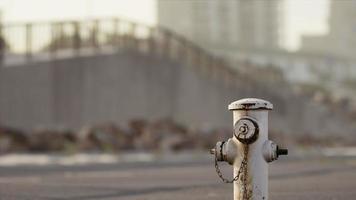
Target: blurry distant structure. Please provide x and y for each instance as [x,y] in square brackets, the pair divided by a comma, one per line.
[2,42]
[67,64]
[341,39]
[339,44]
[2,47]
[68,74]
[224,26]
[247,34]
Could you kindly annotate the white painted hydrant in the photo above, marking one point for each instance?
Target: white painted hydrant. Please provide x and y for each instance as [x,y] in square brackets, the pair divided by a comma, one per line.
[249,150]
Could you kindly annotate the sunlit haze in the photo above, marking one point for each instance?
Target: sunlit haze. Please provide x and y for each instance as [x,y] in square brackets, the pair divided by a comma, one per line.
[35,10]
[304,17]
[300,17]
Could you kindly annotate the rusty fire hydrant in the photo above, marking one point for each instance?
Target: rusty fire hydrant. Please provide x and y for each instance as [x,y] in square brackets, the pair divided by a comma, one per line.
[249,150]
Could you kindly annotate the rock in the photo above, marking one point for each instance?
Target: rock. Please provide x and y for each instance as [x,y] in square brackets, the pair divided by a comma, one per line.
[45,140]
[13,140]
[106,137]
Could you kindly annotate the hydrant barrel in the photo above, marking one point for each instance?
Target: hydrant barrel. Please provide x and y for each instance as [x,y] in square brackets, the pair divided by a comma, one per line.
[250,121]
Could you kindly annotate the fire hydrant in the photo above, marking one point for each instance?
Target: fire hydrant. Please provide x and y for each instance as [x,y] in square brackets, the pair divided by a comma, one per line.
[249,150]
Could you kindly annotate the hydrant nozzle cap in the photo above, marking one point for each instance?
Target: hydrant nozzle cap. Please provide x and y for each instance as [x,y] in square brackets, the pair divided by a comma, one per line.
[251,104]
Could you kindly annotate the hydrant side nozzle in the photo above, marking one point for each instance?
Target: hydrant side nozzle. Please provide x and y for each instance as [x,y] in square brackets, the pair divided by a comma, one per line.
[225,151]
[269,151]
[230,151]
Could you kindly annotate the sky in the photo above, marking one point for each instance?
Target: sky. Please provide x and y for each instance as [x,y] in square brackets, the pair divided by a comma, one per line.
[304,17]
[300,16]
[42,10]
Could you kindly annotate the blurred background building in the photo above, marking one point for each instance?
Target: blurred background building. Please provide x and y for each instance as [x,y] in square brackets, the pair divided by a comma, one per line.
[340,40]
[124,62]
[224,26]
[255,32]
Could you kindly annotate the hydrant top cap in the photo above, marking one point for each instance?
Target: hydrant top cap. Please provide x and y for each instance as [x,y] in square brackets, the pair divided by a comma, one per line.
[251,104]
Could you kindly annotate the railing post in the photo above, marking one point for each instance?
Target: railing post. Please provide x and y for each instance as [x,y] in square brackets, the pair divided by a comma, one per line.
[76,38]
[28,31]
[2,46]
[166,43]
[132,36]
[214,65]
[226,75]
[189,54]
[198,65]
[54,40]
[151,41]
[229,77]
[169,45]
[195,56]
[182,50]
[116,39]
[204,63]
[210,65]
[94,35]
[61,41]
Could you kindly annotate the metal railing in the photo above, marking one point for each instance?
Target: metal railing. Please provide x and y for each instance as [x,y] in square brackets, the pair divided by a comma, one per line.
[31,42]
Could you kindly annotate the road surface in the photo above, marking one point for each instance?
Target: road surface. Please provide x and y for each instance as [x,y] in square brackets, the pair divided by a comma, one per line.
[293,179]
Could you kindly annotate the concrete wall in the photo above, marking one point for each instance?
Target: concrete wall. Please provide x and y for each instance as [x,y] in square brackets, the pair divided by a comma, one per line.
[74,92]
[25,96]
[70,93]
[117,88]
[85,90]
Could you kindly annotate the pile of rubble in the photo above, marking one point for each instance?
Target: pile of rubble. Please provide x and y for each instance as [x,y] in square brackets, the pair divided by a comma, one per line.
[141,135]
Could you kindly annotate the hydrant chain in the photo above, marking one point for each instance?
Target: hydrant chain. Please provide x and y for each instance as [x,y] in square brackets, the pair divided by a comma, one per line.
[243,169]
[221,149]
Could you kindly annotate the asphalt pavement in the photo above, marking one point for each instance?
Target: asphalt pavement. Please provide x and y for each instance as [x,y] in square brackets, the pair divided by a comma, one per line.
[293,179]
